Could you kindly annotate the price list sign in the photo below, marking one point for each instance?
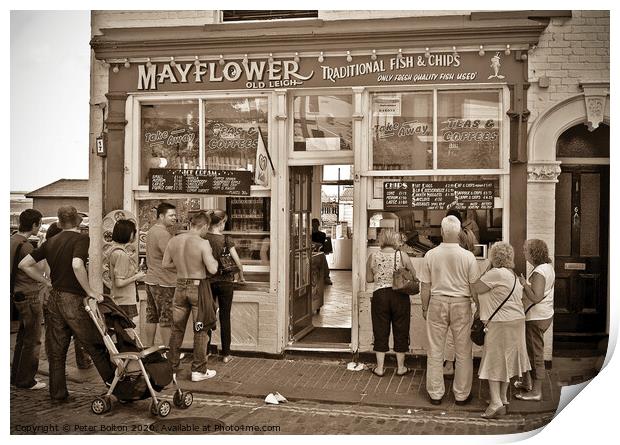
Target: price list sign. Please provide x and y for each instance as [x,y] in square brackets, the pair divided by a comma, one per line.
[200,182]
[439,195]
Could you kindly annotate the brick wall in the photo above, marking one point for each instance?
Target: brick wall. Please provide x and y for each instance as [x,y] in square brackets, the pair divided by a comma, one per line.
[570,50]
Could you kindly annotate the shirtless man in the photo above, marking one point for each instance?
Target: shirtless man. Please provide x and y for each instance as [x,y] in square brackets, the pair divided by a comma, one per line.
[192,257]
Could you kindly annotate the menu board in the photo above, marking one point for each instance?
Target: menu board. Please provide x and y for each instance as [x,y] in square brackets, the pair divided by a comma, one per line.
[438,195]
[200,182]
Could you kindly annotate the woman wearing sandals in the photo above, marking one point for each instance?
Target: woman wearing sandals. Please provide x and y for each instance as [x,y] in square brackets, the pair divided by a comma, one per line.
[538,303]
[387,306]
[504,353]
[222,284]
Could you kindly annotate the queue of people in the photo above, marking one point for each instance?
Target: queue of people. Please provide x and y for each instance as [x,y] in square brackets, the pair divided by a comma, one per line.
[186,275]
[516,313]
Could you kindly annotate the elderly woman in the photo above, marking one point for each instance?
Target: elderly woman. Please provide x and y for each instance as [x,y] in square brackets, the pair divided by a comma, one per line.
[538,303]
[504,354]
[389,308]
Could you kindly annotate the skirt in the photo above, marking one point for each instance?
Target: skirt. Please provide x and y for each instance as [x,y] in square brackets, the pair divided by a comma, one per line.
[504,354]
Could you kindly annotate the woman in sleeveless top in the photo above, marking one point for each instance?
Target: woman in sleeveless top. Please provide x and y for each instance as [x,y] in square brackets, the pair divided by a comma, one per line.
[389,308]
[538,303]
[124,271]
[222,284]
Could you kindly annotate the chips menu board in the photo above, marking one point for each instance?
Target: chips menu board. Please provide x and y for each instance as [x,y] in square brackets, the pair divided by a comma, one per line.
[200,182]
[438,195]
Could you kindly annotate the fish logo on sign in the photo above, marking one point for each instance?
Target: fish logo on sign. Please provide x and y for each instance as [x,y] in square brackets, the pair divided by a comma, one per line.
[496,64]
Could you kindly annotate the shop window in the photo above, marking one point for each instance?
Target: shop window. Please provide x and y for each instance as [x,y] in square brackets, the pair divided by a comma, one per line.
[323,123]
[402,131]
[232,131]
[147,215]
[168,136]
[337,201]
[468,127]
[420,225]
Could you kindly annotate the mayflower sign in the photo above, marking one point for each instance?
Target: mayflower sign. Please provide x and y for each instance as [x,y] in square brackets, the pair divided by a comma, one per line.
[494,67]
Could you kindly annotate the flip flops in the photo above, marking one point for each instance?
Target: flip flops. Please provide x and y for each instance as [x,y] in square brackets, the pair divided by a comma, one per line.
[374,371]
[407,371]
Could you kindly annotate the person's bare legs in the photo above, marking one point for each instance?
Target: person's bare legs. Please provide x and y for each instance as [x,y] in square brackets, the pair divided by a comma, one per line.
[380,362]
[503,392]
[495,391]
[400,360]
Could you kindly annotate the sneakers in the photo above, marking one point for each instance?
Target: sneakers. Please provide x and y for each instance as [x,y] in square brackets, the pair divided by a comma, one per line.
[38,385]
[199,376]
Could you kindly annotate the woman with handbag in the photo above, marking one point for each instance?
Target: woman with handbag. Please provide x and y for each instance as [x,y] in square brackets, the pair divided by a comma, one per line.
[538,303]
[504,353]
[222,283]
[390,305]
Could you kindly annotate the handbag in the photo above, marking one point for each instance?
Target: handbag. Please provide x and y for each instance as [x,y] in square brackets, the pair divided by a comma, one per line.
[404,280]
[479,328]
[227,262]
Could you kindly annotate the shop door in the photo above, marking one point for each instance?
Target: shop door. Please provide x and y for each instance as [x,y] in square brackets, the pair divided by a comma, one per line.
[300,253]
[581,249]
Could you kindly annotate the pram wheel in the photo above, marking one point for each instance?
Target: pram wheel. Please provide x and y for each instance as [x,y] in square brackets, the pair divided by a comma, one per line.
[161,408]
[182,399]
[101,405]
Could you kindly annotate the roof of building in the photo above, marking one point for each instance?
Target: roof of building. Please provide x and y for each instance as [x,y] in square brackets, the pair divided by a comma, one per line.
[63,188]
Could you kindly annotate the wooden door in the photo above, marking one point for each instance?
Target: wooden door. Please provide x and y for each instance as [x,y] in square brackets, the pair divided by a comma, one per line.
[581,249]
[300,252]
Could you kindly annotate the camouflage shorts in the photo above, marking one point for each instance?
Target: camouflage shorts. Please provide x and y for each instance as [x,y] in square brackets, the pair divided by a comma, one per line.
[159,304]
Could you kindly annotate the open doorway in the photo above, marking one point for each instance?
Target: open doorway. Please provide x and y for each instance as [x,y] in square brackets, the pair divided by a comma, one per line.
[321,309]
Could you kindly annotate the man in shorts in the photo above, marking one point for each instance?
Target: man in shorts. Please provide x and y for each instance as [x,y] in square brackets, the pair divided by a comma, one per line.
[160,282]
[192,257]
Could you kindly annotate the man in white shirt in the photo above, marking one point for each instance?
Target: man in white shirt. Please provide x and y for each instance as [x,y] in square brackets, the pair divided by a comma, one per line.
[446,277]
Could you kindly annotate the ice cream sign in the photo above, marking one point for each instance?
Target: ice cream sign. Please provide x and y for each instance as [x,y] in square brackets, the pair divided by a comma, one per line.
[330,71]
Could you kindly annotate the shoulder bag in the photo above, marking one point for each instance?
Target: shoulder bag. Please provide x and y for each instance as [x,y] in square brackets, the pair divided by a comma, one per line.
[534,304]
[227,262]
[404,280]
[479,328]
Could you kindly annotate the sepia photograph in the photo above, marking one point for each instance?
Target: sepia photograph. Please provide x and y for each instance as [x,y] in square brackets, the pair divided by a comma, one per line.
[307,222]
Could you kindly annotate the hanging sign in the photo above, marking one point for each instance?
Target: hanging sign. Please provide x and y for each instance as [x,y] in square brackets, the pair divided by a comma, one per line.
[200,182]
[438,195]
[309,72]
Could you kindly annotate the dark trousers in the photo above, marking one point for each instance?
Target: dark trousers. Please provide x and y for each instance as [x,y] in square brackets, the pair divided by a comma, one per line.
[535,343]
[390,308]
[28,343]
[65,316]
[223,291]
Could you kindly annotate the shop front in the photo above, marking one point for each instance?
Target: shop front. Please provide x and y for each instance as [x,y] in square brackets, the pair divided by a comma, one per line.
[363,132]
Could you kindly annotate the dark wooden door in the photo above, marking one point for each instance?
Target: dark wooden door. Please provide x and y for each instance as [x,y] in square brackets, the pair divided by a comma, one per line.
[300,252]
[581,249]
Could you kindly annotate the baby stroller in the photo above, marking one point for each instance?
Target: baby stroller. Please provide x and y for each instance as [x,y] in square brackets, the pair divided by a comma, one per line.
[140,372]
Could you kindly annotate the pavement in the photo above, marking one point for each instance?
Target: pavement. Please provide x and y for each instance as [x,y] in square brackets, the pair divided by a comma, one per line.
[329,381]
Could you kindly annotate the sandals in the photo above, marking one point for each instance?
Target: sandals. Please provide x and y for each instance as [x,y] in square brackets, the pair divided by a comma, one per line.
[407,371]
[374,371]
[520,385]
[494,413]
[528,398]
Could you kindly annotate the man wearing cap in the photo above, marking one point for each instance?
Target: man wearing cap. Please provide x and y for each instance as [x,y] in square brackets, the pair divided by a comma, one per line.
[66,255]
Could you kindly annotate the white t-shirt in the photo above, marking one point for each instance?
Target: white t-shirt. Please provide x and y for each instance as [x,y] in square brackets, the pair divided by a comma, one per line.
[544,309]
[501,281]
[450,270]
